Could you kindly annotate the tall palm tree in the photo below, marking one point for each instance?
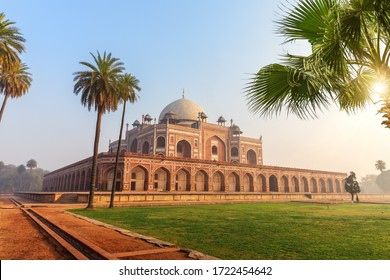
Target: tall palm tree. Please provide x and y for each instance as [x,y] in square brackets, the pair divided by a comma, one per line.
[14,82]
[128,87]
[350,52]
[380,165]
[11,43]
[99,90]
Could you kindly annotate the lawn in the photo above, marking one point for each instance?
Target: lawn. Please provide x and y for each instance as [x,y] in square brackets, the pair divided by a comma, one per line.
[279,231]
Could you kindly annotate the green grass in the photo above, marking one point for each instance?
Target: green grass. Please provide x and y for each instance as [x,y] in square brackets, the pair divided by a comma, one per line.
[263,230]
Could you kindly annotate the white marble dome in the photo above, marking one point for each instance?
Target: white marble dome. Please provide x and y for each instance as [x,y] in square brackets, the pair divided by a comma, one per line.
[185,110]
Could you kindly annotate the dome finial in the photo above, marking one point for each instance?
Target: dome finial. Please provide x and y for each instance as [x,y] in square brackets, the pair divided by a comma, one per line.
[183,94]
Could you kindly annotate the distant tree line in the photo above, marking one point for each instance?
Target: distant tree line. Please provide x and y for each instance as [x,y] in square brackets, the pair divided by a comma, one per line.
[377,183]
[18,178]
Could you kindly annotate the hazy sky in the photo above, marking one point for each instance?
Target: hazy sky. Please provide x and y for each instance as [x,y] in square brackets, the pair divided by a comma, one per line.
[207,47]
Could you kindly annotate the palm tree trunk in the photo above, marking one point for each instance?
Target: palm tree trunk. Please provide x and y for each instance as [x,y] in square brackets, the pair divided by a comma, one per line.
[3,106]
[95,158]
[117,157]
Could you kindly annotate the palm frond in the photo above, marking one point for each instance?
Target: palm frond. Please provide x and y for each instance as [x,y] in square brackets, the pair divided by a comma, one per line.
[278,86]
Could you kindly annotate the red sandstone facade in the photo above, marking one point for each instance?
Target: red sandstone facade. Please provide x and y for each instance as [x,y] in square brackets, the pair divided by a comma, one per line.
[184,153]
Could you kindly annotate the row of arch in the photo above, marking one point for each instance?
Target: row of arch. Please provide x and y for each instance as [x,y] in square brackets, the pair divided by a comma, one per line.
[75,181]
[184,149]
[182,180]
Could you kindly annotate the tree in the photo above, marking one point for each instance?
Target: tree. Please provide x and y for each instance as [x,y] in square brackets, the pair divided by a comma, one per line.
[14,82]
[99,90]
[383,181]
[352,186]
[380,165]
[32,163]
[14,78]
[350,54]
[21,169]
[11,43]
[128,86]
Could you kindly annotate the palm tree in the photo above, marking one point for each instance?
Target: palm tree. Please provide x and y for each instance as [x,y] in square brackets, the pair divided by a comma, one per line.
[11,43]
[129,84]
[14,82]
[98,87]
[350,53]
[32,163]
[380,165]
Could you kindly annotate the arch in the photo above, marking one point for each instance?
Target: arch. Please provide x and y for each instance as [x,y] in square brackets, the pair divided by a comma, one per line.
[162,179]
[251,157]
[201,181]
[234,182]
[183,149]
[248,183]
[295,184]
[330,185]
[182,180]
[305,184]
[273,184]
[322,186]
[218,182]
[134,146]
[313,184]
[338,187]
[262,183]
[145,148]
[160,142]
[284,182]
[139,178]
[110,177]
[215,149]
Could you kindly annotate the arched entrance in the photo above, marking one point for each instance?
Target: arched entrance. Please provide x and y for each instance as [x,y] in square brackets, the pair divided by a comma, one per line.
[285,186]
[305,184]
[248,183]
[139,176]
[262,181]
[182,180]
[161,180]
[330,186]
[145,148]
[234,182]
[110,178]
[218,179]
[273,184]
[322,186]
[314,188]
[295,184]
[251,157]
[201,182]
[134,146]
[183,149]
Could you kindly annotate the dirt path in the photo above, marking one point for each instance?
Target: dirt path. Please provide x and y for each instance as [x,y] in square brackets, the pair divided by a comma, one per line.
[20,239]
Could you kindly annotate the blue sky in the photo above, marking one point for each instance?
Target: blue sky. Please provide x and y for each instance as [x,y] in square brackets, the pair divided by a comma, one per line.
[209,48]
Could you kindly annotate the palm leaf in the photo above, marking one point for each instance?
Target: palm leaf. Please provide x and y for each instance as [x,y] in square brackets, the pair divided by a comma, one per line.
[278,86]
